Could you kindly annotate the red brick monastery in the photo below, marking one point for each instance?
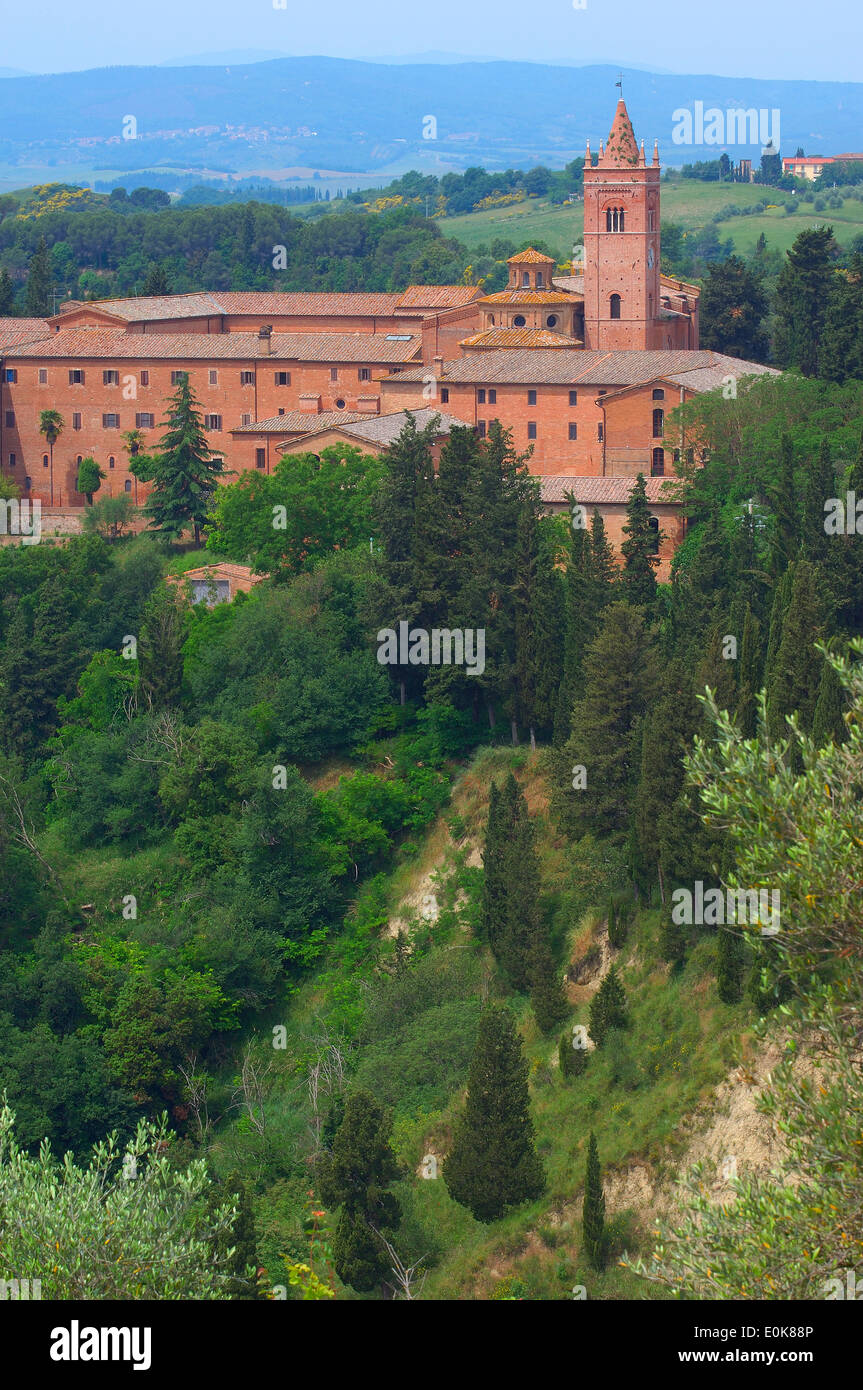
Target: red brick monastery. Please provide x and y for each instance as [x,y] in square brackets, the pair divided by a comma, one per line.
[583,368]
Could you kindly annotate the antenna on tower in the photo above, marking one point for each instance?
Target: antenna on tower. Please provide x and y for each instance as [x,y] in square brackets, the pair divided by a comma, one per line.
[619,83]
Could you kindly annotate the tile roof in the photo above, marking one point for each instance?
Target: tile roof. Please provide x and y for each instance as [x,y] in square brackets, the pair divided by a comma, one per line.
[146,307]
[574,284]
[15,331]
[300,422]
[82,343]
[259,302]
[591,367]
[589,490]
[526,297]
[384,429]
[530,257]
[151,308]
[437,296]
[519,338]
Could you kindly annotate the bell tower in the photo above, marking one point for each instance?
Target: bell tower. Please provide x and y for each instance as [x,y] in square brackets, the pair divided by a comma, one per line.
[621,243]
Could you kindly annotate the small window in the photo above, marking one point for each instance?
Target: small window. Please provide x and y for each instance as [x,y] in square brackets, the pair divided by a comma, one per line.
[573,430]
[551,321]
[44,460]
[480,396]
[539,280]
[600,432]
[281,410]
[177,378]
[614,306]
[651,220]
[334,373]
[111,378]
[213,377]
[658,394]
[111,461]
[76,419]
[110,422]
[365,373]
[11,375]
[573,398]
[212,422]
[245,419]
[654,526]
[525,280]
[43,376]
[12,460]
[80,459]
[340,405]
[144,421]
[444,395]
[283,378]
[531,429]
[76,376]
[519,321]
[28,483]
[480,428]
[260,458]
[657,464]
[531,398]
[658,422]
[492,396]
[10,419]
[690,455]
[247,378]
[128,485]
[145,378]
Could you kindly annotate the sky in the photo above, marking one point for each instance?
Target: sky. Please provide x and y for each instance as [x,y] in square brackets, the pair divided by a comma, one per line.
[735,38]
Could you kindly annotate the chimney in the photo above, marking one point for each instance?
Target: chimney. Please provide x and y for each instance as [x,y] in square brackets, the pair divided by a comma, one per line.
[265,337]
[437,363]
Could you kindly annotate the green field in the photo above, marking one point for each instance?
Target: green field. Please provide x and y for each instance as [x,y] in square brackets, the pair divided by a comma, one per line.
[688,203]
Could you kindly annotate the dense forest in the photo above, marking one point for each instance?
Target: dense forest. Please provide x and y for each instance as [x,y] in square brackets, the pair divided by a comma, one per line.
[214,829]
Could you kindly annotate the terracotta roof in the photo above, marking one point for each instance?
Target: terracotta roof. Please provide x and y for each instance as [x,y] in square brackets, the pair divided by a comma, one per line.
[145,307]
[621,149]
[300,422]
[591,490]
[530,257]
[384,429]
[573,284]
[526,297]
[519,338]
[259,302]
[81,343]
[437,296]
[15,331]
[591,367]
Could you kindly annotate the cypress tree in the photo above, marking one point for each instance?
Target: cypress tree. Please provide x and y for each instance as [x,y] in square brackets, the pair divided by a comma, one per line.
[37,291]
[547,998]
[715,669]
[827,722]
[538,628]
[793,682]
[184,473]
[493,1164]
[502,813]
[593,1209]
[603,569]
[160,649]
[607,1007]
[729,965]
[522,902]
[640,550]
[818,487]
[748,684]
[672,939]
[156,281]
[573,1060]
[7,294]
[785,539]
[802,296]
[356,1176]
[588,587]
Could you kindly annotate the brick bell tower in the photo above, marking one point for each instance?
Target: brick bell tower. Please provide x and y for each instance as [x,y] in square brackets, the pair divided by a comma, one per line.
[621,243]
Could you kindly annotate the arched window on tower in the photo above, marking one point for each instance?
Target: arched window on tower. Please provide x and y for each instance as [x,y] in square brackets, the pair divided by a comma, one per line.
[614,305]
[658,423]
[539,280]
[525,279]
[614,219]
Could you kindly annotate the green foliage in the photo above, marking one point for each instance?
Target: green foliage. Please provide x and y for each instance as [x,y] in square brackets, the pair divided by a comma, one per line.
[356,1176]
[607,1007]
[593,1209]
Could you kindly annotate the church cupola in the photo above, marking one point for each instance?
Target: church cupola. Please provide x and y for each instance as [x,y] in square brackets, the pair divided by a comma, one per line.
[530,270]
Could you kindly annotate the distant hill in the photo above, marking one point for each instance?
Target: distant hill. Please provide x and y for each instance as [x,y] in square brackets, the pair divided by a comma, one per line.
[332,113]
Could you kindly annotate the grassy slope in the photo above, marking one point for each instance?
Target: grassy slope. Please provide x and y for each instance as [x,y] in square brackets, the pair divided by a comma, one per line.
[689,203]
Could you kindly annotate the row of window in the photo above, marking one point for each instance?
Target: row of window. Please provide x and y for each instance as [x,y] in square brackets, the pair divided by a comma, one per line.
[111,377]
[532,430]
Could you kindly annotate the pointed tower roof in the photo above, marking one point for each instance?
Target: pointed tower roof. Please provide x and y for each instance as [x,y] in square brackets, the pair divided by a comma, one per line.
[621,150]
[530,257]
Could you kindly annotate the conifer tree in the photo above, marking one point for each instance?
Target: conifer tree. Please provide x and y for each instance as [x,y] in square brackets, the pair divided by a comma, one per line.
[547,998]
[573,1060]
[160,649]
[538,627]
[7,294]
[717,670]
[356,1176]
[502,812]
[621,679]
[603,569]
[748,668]
[184,473]
[607,1007]
[785,541]
[493,1164]
[522,902]
[729,965]
[156,281]
[672,939]
[640,550]
[593,1209]
[793,682]
[828,724]
[818,488]
[37,291]
[802,296]
[588,587]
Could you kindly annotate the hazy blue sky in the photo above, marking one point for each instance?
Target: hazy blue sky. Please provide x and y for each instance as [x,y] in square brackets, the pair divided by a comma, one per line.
[747,38]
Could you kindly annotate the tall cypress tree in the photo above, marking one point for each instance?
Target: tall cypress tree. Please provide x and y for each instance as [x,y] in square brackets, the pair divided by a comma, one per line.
[729,966]
[827,722]
[593,1209]
[547,998]
[37,291]
[786,525]
[640,550]
[356,1176]
[588,588]
[7,294]
[607,1007]
[184,473]
[748,669]
[538,627]
[802,296]
[819,486]
[793,682]
[493,1164]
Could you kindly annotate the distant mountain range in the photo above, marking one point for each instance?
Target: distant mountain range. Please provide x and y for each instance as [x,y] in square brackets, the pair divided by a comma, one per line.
[337,114]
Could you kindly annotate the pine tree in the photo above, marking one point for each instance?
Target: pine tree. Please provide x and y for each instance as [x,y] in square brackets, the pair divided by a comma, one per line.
[184,473]
[732,310]
[786,525]
[748,668]
[493,1164]
[356,1176]
[607,1007]
[729,966]
[840,352]
[818,488]
[792,683]
[538,627]
[802,296]
[156,281]
[588,588]
[547,998]
[640,550]
[522,902]
[593,1209]
[37,291]
[502,812]
[160,649]
[573,1060]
